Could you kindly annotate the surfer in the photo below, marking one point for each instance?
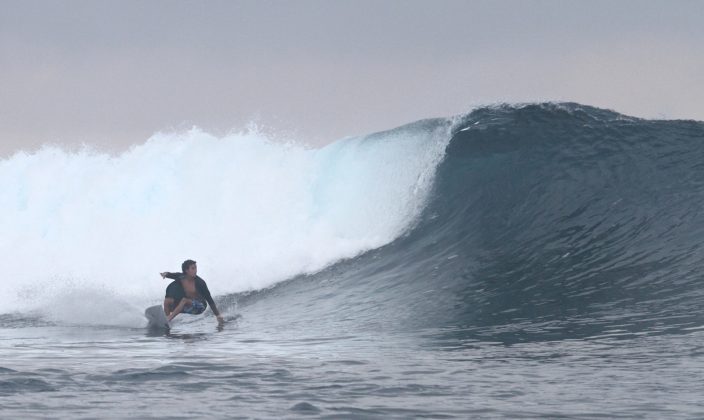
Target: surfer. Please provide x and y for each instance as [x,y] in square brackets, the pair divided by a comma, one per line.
[188,293]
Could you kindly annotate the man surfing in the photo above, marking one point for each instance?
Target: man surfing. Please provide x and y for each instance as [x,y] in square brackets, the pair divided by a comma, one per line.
[188,293]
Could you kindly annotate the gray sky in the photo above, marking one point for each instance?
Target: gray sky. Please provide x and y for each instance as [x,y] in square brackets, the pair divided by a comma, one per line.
[112,73]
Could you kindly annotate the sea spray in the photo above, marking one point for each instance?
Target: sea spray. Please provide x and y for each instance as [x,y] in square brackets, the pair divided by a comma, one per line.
[85,228]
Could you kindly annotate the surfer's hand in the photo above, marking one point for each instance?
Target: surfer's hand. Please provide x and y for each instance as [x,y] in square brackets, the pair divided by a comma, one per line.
[163,275]
[221,320]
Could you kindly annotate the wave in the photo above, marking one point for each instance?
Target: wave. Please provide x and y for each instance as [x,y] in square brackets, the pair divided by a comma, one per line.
[545,221]
[510,223]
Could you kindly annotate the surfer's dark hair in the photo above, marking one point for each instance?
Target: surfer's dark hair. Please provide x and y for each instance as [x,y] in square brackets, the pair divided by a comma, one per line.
[186,264]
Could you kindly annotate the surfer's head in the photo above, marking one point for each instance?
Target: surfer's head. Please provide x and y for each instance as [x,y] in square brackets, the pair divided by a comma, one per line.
[189,268]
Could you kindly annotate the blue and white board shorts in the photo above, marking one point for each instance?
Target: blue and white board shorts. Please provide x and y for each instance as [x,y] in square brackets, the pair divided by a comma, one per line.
[196,307]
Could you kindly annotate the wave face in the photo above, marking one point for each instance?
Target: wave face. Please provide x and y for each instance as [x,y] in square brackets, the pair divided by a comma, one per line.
[93,231]
[545,221]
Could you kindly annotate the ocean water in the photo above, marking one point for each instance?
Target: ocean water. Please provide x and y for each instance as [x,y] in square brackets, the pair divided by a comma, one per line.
[519,261]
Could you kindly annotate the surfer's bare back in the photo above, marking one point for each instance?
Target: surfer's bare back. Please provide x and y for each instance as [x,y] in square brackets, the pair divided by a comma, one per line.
[188,293]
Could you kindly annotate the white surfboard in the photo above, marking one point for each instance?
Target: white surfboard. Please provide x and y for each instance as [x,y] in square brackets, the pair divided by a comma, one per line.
[156,317]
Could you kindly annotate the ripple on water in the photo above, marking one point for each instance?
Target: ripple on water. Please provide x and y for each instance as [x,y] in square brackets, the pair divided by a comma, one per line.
[305,408]
[24,384]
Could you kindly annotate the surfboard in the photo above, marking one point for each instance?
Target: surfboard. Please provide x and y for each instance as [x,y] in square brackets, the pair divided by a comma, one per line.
[156,317]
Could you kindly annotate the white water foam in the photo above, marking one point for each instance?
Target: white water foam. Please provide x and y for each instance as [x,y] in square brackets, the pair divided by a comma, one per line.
[83,235]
